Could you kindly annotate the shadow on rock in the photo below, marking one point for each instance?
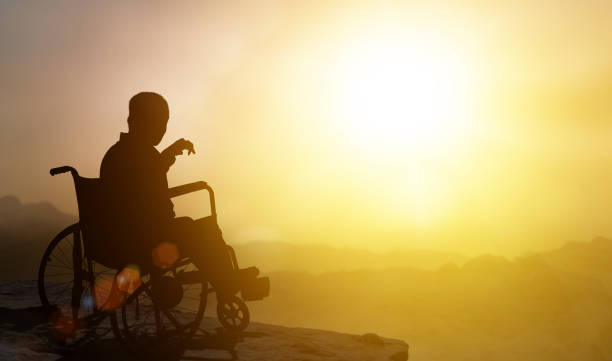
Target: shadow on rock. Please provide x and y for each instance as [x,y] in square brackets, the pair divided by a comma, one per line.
[32,326]
[24,319]
[96,350]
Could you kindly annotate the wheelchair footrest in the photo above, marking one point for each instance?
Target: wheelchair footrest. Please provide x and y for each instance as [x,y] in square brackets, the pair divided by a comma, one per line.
[256,289]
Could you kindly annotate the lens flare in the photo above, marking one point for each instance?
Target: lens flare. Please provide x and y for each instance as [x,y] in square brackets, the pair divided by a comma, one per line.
[62,326]
[108,297]
[165,255]
[128,280]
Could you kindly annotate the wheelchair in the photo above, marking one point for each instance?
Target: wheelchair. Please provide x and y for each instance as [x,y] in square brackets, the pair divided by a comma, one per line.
[153,311]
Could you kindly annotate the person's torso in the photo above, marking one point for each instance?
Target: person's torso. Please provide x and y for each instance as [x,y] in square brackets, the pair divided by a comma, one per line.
[135,185]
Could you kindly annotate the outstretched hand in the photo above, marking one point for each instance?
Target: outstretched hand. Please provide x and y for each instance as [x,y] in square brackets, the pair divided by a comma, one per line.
[178,147]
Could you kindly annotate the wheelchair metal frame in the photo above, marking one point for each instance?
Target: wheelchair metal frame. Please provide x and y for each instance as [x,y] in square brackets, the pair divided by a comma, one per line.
[172,192]
[81,256]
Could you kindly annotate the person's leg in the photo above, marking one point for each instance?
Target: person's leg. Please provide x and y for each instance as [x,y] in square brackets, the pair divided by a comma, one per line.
[201,240]
[207,232]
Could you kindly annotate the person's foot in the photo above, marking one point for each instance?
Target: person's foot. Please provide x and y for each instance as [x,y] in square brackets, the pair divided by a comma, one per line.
[256,288]
[236,280]
[246,274]
[253,287]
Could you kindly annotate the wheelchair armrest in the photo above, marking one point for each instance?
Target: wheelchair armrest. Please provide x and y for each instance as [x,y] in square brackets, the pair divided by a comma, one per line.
[187,188]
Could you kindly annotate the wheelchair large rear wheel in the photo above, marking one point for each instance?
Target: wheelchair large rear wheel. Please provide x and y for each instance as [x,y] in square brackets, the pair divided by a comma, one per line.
[67,285]
[161,316]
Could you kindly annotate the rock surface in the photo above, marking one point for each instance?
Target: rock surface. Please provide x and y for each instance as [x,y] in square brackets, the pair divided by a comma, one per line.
[25,335]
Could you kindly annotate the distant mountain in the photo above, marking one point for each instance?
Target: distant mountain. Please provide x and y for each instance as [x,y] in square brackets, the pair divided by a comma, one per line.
[594,257]
[554,305]
[318,258]
[14,215]
[25,232]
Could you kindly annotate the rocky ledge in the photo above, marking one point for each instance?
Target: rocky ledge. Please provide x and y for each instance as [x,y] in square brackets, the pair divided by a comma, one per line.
[25,335]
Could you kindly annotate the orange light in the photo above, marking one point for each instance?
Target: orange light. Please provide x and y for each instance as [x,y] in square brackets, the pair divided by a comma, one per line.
[108,296]
[165,255]
[128,280]
[62,326]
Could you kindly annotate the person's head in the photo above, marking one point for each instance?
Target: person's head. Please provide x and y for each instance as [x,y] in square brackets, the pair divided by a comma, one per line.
[148,117]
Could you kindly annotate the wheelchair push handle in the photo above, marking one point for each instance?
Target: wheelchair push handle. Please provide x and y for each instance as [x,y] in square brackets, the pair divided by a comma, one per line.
[64,169]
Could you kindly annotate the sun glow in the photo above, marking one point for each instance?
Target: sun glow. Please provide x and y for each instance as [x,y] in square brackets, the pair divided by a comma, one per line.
[403,109]
[403,94]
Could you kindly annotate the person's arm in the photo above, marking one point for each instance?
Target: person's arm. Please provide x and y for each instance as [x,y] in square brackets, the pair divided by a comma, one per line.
[169,154]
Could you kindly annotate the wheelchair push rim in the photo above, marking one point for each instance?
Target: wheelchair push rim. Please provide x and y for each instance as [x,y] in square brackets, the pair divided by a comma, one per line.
[150,330]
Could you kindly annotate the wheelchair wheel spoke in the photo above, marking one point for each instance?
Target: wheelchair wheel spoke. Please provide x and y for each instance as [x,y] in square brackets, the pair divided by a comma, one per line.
[59,269]
[61,266]
[62,263]
[233,313]
[173,320]
[158,324]
[63,289]
[61,274]
[65,259]
[143,288]
[155,319]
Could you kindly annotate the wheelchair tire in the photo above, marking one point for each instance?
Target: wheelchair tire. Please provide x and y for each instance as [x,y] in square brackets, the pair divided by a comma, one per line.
[49,297]
[148,332]
[56,287]
[233,313]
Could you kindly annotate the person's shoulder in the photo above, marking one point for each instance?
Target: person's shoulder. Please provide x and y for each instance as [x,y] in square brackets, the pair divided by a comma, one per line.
[114,155]
[114,151]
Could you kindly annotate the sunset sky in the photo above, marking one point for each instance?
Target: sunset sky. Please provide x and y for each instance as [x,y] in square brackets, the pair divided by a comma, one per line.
[462,126]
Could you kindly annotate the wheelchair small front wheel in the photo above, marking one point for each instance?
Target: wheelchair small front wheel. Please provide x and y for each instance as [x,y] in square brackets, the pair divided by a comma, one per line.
[233,313]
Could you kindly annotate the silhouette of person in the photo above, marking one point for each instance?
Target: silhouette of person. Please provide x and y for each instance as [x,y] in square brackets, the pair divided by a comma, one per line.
[140,212]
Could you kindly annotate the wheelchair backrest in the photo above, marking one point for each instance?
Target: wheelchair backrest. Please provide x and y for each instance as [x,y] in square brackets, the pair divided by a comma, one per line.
[92,203]
[88,192]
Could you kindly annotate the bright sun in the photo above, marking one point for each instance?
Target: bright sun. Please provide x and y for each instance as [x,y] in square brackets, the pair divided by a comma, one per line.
[407,95]
[403,106]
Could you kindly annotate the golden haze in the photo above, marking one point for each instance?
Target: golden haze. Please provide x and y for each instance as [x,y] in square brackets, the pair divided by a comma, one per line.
[466,127]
